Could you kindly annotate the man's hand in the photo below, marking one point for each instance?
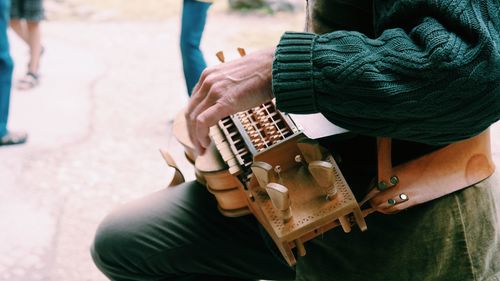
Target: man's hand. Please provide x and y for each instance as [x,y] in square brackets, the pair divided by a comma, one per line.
[226,89]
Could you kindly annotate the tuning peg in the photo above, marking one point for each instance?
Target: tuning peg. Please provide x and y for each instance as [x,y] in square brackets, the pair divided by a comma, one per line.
[280,199]
[220,56]
[242,52]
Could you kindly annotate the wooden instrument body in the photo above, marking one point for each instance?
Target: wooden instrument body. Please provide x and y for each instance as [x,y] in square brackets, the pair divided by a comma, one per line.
[299,209]
[238,192]
[311,212]
[213,172]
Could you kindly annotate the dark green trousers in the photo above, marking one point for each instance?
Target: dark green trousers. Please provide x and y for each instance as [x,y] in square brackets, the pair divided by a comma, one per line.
[178,234]
[453,238]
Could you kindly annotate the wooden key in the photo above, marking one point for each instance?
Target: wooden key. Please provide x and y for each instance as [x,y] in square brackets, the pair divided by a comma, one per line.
[310,149]
[263,173]
[280,199]
[323,173]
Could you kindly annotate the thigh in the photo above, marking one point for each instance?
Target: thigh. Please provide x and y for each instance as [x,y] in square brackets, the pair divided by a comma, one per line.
[178,232]
[453,238]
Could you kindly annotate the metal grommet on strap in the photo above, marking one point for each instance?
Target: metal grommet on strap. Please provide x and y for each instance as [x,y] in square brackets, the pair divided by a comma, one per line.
[391,201]
[382,185]
[394,180]
[400,199]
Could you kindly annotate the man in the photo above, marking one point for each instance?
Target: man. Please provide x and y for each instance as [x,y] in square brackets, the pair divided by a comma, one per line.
[6,67]
[423,72]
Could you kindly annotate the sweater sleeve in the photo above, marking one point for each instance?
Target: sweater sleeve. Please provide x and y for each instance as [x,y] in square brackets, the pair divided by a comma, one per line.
[435,82]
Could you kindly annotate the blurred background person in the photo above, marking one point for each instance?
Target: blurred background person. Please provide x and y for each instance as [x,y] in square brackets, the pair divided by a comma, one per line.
[194,15]
[26,16]
[6,67]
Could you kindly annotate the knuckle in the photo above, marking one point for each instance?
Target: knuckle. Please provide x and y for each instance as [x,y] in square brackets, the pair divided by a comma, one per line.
[205,73]
[201,120]
[215,92]
[209,81]
[192,118]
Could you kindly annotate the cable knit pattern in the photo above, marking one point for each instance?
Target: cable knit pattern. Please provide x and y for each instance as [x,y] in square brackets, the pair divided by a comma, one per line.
[432,75]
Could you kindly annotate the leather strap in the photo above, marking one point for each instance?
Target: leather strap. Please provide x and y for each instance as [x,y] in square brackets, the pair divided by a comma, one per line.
[178,176]
[451,168]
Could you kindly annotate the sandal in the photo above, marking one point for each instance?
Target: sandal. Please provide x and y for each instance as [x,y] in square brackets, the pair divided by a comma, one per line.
[29,81]
[12,138]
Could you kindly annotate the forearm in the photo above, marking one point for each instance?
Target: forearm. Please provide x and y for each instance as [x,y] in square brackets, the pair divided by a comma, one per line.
[429,84]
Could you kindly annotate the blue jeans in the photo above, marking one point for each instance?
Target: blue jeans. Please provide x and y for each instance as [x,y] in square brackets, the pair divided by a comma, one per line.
[194,15]
[6,67]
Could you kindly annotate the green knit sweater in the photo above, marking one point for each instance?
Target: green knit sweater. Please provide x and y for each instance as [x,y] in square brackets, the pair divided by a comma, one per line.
[430,74]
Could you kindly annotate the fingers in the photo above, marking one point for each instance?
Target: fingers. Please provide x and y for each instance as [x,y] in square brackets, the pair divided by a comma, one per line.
[197,104]
[196,120]
[207,119]
[210,107]
[225,89]
[200,90]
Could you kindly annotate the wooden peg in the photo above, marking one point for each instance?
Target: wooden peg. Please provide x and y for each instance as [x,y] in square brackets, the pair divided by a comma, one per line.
[301,250]
[242,52]
[344,222]
[324,175]
[263,172]
[310,149]
[281,199]
[220,56]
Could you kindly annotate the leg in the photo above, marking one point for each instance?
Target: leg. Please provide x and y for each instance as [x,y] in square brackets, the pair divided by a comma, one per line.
[194,15]
[16,19]
[178,234]
[33,34]
[32,13]
[19,28]
[34,42]
[6,67]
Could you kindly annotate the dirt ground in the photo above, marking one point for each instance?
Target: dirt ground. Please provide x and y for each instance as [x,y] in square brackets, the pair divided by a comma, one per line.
[111,83]
[105,10]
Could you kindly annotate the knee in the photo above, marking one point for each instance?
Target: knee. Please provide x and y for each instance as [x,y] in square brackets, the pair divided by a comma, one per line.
[113,244]
[189,42]
[187,49]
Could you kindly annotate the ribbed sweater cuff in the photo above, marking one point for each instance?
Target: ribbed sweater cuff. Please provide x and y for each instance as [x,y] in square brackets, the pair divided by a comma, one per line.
[292,73]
